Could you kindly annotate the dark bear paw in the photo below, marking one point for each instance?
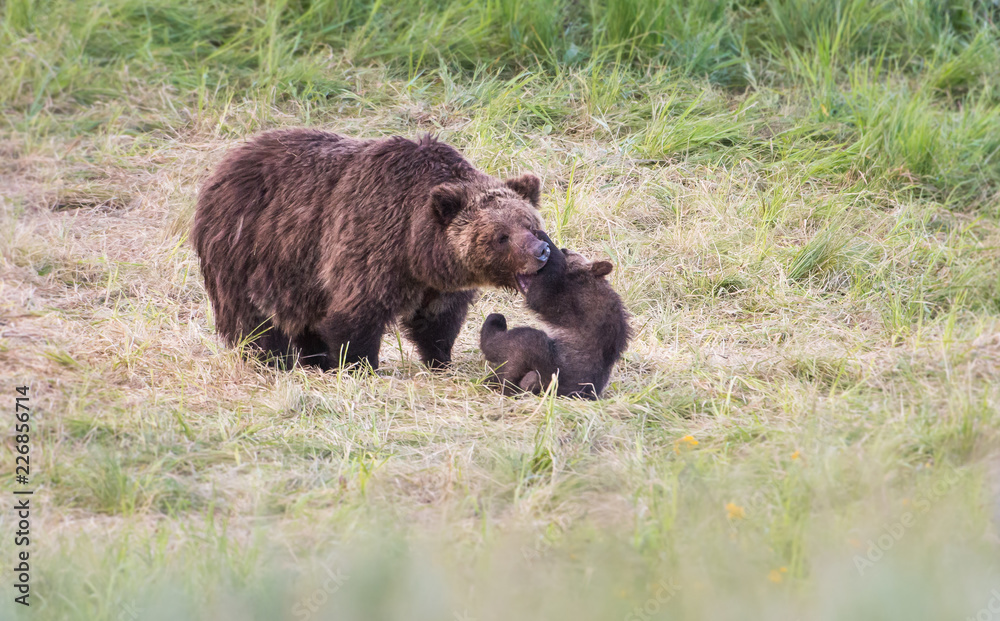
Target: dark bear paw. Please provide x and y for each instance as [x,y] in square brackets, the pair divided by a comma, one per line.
[437,363]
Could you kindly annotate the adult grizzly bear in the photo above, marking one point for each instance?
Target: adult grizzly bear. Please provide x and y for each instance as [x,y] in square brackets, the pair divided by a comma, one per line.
[311,243]
[587,320]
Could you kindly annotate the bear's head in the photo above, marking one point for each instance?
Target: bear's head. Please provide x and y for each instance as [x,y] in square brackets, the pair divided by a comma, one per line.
[568,288]
[492,229]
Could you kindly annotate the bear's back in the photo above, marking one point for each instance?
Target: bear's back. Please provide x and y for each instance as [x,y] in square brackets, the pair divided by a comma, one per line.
[288,222]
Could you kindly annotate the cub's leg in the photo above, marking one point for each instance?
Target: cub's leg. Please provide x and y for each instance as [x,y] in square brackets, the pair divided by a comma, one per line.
[494,344]
[521,359]
[531,382]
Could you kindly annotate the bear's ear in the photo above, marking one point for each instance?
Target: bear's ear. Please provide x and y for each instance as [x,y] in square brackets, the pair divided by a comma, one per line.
[600,269]
[447,200]
[527,186]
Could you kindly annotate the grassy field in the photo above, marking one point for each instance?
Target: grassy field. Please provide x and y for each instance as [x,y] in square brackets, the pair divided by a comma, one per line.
[802,202]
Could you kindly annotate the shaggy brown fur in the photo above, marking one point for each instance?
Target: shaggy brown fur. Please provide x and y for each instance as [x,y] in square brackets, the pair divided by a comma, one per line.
[588,323]
[311,243]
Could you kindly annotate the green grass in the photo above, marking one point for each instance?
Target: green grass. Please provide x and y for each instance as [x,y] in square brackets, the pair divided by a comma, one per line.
[801,202]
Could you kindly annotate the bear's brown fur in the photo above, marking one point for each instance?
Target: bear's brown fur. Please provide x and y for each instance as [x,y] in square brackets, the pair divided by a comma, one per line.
[588,323]
[311,243]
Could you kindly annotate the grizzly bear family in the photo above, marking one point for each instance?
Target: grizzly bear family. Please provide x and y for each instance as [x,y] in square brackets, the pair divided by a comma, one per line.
[584,313]
[311,243]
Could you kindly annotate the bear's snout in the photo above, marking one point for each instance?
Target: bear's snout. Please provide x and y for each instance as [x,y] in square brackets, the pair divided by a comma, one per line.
[543,256]
[539,250]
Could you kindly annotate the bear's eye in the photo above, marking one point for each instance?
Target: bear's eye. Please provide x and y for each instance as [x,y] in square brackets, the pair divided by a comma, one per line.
[503,238]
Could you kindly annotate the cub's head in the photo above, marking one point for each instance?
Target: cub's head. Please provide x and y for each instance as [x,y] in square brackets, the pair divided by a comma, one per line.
[492,230]
[567,285]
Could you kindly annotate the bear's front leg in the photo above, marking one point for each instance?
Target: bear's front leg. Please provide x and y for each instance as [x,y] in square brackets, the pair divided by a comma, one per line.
[435,324]
[271,345]
[351,340]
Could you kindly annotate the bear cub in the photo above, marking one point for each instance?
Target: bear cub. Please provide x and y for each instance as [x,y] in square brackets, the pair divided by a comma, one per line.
[587,322]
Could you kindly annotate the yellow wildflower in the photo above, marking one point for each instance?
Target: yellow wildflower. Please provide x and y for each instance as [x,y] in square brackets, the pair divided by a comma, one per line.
[686,441]
[775,576]
[796,455]
[735,512]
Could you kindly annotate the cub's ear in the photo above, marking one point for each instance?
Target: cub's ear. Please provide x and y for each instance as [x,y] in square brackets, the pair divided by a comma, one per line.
[527,186]
[447,200]
[600,269]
